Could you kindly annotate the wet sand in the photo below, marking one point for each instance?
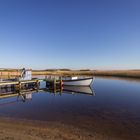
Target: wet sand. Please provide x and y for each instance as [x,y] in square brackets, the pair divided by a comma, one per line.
[16,129]
[11,129]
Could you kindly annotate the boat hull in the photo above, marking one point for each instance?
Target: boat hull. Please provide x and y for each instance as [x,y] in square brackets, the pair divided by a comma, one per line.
[78,82]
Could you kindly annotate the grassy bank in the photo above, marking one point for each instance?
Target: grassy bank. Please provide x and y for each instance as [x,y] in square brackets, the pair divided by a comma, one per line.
[116,73]
[119,73]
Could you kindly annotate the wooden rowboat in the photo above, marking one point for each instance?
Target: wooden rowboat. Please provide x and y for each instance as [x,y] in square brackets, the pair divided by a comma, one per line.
[78,82]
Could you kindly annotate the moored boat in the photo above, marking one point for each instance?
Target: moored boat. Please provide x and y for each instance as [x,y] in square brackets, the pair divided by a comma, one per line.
[78,82]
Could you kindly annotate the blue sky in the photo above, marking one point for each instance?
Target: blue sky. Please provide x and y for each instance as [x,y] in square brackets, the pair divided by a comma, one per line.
[76,34]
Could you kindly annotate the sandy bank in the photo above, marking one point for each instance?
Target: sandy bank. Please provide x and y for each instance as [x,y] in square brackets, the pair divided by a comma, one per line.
[11,129]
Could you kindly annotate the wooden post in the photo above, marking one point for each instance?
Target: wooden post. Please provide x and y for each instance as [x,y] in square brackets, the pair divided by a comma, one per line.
[54,85]
[61,84]
[37,84]
[19,85]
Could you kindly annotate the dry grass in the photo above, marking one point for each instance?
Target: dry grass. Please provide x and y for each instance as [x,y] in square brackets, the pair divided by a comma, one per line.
[118,73]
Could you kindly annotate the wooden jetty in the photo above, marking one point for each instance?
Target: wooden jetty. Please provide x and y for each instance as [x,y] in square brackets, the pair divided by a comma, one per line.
[16,86]
[6,83]
[51,83]
[25,78]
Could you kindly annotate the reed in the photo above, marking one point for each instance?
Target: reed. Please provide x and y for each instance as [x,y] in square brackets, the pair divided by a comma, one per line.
[117,73]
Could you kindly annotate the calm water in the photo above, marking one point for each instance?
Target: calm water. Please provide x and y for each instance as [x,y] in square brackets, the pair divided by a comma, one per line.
[112,102]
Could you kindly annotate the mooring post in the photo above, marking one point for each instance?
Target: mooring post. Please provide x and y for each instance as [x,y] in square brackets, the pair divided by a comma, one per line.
[54,85]
[61,82]
[19,87]
[37,84]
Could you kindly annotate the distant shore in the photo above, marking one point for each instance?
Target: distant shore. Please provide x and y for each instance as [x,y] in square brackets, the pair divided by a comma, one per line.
[116,73]
[119,73]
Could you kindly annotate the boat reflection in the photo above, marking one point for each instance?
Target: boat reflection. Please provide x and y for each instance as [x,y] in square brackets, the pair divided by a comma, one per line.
[26,93]
[79,89]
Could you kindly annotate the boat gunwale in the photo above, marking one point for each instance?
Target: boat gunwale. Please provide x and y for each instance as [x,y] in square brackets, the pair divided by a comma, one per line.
[73,80]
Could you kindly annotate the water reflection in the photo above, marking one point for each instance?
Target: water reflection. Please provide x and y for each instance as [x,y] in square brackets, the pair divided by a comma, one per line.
[26,93]
[79,89]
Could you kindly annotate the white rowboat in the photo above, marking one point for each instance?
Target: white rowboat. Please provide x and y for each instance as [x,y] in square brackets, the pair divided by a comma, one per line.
[78,82]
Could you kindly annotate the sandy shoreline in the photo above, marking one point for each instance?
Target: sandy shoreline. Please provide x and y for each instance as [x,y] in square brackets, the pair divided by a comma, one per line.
[11,129]
[17,129]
